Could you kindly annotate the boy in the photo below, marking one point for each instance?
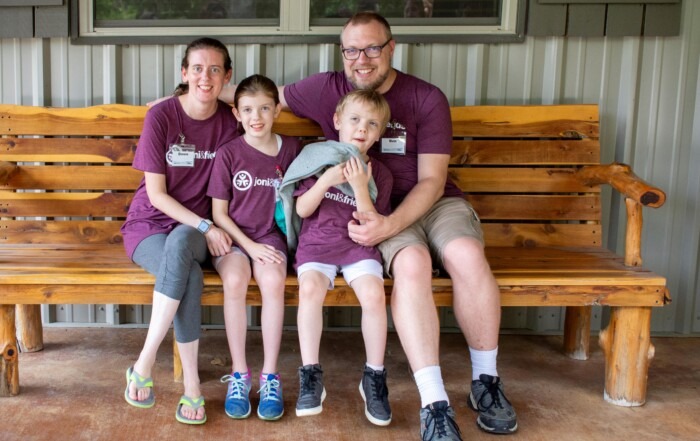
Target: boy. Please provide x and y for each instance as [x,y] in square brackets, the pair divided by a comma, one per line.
[324,247]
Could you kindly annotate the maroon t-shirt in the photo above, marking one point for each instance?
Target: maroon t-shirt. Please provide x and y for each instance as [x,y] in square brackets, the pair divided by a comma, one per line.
[324,235]
[419,111]
[249,179]
[186,183]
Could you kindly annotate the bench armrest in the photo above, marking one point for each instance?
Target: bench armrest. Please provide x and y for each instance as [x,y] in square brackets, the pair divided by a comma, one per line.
[637,193]
[621,178]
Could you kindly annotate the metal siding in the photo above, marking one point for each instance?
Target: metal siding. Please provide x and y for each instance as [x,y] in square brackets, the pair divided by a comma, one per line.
[648,90]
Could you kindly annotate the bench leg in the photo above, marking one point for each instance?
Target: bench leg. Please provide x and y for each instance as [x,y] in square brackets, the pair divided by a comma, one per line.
[626,343]
[30,335]
[9,363]
[177,363]
[577,332]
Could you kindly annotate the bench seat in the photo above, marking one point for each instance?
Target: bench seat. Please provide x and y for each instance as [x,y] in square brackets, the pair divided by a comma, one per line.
[527,277]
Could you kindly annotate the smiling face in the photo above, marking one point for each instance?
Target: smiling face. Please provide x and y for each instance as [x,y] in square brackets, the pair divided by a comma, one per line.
[257,113]
[368,73]
[205,74]
[359,124]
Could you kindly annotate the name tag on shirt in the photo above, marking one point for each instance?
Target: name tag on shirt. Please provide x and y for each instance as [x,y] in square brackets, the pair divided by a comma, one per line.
[396,146]
[180,155]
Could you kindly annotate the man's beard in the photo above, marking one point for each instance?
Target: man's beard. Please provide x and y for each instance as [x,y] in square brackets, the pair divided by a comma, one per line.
[371,86]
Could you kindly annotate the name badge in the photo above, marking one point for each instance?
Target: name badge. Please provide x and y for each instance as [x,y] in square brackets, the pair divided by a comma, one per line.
[180,155]
[396,146]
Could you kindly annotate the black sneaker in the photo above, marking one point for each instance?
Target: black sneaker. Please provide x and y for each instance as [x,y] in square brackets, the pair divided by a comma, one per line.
[437,422]
[311,390]
[496,414]
[376,396]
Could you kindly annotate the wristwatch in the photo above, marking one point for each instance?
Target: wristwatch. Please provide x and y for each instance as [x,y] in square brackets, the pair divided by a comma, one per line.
[204,226]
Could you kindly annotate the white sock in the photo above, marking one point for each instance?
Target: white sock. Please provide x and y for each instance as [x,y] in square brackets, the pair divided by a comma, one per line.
[483,362]
[375,367]
[430,385]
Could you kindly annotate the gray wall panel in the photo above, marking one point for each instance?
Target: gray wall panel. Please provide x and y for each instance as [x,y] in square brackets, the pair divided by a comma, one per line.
[648,90]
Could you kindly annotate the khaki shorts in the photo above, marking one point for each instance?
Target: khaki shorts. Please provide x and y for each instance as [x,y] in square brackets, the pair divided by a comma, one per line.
[449,219]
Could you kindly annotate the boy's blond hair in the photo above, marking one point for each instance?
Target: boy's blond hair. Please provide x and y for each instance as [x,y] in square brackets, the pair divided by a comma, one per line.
[371,97]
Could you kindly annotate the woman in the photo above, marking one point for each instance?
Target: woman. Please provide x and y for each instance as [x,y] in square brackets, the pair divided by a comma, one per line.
[167,230]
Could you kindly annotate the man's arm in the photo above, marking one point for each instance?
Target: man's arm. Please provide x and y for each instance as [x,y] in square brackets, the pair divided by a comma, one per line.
[375,228]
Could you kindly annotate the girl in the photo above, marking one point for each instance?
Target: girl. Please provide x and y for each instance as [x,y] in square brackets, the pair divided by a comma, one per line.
[243,185]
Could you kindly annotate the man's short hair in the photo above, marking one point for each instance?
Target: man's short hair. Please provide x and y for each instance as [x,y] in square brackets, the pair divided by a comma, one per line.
[364,18]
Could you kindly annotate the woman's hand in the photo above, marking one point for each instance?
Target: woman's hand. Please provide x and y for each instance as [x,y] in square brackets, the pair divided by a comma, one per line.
[218,241]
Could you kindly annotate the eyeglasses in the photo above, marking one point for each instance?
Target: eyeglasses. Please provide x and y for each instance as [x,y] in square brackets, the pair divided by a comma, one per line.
[352,53]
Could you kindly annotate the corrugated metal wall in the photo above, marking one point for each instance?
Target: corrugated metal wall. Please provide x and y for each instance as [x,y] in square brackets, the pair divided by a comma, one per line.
[648,90]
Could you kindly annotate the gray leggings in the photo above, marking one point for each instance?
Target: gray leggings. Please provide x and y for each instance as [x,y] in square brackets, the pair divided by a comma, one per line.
[175,260]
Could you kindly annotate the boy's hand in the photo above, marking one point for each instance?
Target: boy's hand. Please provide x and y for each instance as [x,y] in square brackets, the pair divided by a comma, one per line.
[356,174]
[333,176]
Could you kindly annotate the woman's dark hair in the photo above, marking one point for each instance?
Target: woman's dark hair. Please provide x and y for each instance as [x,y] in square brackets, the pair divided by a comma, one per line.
[256,84]
[202,43]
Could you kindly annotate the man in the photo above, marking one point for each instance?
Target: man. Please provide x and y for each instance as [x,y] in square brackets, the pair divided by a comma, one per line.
[430,220]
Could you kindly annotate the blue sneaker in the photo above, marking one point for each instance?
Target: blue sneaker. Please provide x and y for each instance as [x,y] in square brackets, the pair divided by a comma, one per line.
[237,403]
[271,406]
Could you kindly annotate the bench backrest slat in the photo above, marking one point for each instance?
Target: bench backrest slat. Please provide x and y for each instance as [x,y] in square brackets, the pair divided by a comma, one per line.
[516,165]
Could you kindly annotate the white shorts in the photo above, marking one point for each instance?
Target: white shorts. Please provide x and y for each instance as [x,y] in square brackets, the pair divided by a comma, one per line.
[350,272]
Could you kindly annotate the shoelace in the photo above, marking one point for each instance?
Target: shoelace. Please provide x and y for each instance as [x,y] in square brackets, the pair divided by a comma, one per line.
[308,380]
[440,420]
[268,391]
[237,386]
[378,386]
[493,391]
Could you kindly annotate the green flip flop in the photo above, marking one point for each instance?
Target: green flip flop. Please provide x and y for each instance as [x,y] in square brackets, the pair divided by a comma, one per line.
[140,382]
[194,404]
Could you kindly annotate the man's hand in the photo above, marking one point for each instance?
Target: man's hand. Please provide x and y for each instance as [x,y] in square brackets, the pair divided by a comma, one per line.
[369,228]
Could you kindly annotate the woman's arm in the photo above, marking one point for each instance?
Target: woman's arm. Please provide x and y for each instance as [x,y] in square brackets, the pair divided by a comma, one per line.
[218,241]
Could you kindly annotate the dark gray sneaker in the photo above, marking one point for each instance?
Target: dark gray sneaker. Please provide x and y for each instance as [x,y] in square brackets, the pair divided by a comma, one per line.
[496,414]
[437,422]
[376,396]
[311,390]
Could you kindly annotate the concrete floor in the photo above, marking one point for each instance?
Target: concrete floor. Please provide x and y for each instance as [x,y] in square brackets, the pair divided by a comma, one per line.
[73,390]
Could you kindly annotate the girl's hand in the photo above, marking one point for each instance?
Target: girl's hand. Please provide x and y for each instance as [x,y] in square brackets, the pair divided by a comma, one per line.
[356,175]
[218,241]
[263,254]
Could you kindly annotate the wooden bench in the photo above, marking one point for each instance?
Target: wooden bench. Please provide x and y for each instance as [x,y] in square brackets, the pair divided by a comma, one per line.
[531,172]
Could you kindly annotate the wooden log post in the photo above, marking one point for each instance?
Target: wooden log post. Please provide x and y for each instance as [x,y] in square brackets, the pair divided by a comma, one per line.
[178,376]
[628,351]
[9,363]
[626,342]
[577,332]
[30,335]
